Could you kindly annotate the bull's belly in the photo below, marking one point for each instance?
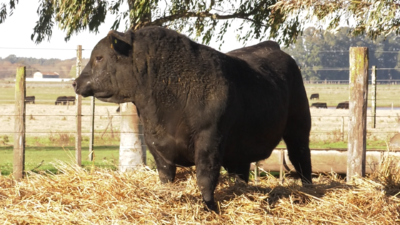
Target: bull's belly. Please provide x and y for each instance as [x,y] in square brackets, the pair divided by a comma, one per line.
[247,154]
[183,161]
[174,151]
[251,147]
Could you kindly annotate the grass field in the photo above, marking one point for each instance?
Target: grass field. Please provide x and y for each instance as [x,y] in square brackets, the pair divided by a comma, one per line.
[44,158]
[332,94]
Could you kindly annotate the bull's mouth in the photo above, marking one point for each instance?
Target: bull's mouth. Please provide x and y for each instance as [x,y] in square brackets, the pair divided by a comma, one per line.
[103,95]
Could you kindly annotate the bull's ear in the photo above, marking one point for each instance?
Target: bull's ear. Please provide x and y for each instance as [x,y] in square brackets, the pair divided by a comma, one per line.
[121,42]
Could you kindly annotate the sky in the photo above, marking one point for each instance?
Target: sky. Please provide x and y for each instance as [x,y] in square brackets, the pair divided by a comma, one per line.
[16,33]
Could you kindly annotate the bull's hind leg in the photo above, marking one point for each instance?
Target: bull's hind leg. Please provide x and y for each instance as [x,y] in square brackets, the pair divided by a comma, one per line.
[297,142]
[299,155]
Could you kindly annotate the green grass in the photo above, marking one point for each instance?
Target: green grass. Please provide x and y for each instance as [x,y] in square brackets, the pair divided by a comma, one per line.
[107,156]
[104,156]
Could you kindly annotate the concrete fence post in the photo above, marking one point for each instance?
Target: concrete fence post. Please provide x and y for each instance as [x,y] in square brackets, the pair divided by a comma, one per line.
[130,150]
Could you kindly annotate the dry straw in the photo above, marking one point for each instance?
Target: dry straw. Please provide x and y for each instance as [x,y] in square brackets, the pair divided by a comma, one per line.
[99,196]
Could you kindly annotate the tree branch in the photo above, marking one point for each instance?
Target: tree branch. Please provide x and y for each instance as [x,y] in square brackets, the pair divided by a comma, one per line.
[214,16]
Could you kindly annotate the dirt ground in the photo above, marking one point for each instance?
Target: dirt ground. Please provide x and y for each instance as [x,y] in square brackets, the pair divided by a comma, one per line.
[42,120]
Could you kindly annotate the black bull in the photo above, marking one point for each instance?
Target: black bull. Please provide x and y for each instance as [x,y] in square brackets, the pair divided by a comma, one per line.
[201,107]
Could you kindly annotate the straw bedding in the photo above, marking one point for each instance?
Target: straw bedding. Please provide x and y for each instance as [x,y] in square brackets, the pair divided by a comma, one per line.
[98,196]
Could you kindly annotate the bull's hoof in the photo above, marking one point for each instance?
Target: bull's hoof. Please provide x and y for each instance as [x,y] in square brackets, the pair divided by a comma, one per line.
[211,206]
[306,182]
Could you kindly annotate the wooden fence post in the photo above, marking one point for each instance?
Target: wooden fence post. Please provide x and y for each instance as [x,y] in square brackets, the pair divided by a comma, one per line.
[78,136]
[19,124]
[373,103]
[91,141]
[358,112]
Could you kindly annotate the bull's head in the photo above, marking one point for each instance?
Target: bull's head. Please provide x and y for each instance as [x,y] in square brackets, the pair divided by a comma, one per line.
[108,75]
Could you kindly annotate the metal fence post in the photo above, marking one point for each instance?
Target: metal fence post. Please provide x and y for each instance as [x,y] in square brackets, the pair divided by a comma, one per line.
[91,141]
[78,136]
[19,124]
[281,160]
[256,172]
[342,129]
[373,103]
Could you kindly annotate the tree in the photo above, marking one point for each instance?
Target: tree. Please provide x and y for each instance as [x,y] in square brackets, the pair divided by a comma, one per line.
[259,19]
[323,55]
[371,17]
[198,18]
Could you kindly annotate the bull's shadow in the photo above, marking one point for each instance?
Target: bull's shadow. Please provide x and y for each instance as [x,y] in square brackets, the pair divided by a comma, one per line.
[230,187]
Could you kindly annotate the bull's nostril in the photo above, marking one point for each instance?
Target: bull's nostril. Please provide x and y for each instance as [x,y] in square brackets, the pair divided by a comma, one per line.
[74,84]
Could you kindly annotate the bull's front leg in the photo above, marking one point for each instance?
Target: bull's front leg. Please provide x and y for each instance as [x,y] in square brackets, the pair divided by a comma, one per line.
[208,165]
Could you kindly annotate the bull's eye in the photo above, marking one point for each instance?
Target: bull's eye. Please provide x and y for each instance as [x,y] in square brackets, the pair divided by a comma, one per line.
[99,58]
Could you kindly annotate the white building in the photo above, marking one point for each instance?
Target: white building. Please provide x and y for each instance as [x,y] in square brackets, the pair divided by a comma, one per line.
[47,77]
[40,75]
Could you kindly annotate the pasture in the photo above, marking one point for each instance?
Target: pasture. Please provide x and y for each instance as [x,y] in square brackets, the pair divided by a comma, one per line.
[332,94]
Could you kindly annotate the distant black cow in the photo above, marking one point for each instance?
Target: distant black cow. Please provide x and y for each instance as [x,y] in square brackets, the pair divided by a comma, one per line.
[65,100]
[343,105]
[201,107]
[319,105]
[118,109]
[30,99]
[314,96]
[61,100]
[71,100]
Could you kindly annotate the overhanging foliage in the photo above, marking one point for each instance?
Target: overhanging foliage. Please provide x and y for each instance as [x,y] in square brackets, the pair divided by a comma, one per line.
[371,17]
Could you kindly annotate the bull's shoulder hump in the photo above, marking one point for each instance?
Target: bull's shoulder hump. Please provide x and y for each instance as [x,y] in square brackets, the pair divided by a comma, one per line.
[268,44]
[261,49]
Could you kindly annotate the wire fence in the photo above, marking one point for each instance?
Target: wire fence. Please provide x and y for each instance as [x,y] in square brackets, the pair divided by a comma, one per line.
[379,82]
[46,120]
